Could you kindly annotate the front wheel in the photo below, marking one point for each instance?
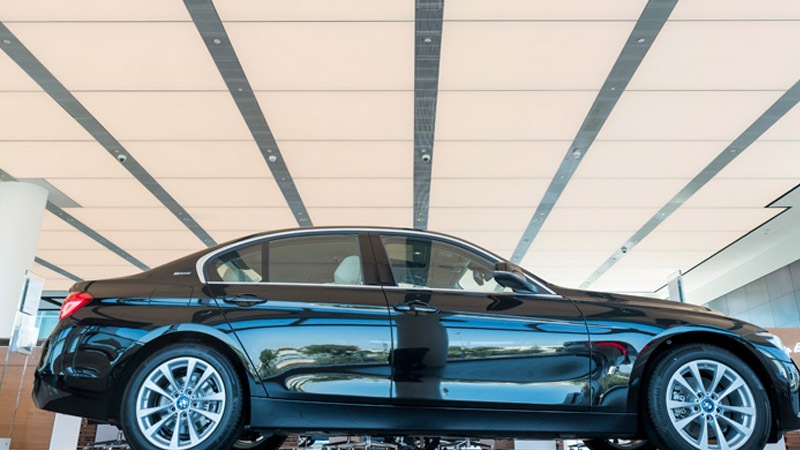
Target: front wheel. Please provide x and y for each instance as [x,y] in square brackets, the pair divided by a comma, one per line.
[183,397]
[618,444]
[704,397]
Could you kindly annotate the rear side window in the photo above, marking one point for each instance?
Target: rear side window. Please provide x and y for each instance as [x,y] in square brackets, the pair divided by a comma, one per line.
[329,259]
[243,265]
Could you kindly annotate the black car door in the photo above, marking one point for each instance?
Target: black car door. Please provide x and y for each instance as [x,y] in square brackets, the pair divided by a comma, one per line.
[461,339]
[309,313]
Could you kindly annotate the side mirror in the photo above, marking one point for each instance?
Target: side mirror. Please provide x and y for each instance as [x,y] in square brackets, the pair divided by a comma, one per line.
[509,275]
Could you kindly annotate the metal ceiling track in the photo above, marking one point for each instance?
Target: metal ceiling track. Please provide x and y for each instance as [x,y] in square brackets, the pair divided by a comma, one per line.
[208,24]
[428,46]
[57,269]
[645,32]
[48,82]
[774,113]
[83,228]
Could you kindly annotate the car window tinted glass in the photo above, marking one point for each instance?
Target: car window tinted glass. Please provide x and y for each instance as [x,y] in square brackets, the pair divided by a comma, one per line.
[332,259]
[420,262]
[241,265]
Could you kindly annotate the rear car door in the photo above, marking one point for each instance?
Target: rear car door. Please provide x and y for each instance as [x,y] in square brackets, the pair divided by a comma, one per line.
[460,339]
[307,309]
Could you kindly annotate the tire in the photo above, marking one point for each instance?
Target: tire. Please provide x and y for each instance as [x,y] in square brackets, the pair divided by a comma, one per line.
[618,444]
[254,440]
[207,406]
[730,404]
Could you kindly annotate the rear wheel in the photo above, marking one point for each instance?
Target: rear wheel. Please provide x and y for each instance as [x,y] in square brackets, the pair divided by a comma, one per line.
[184,397]
[704,397]
[618,444]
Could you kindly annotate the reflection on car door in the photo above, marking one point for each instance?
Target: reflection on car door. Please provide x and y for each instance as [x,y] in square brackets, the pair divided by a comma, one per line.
[459,338]
[313,319]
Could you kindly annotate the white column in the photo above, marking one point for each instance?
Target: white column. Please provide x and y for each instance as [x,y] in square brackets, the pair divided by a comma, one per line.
[22,207]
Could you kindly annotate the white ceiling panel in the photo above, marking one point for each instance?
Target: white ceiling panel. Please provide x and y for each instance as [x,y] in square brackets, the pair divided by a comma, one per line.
[630,285]
[718,219]
[224,192]
[50,159]
[578,240]
[378,216]
[597,219]
[222,236]
[263,219]
[35,116]
[200,159]
[642,159]
[316,10]
[122,55]
[787,128]
[354,192]
[511,115]
[560,275]
[501,219]
[623,272]
[685,115]
[106,192]
[566,258]
[155,240]
[74,258]
[91,10]
[741,193]
[766,159]
[660,240]
[544,10]
[155,258]
[349,159]
[620,193]
[12,77]
[339,115]
[497,159]
[676,259]
[53,281]
[167,115]
[488,192]
[351,55]
[529,55]
[71,239]
[105,219]
[51,222]
[710,55]
[736,9]
[97,272]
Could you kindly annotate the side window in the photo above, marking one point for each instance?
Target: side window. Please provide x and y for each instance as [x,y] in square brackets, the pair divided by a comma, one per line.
[329,259]
[241,265]
[420,262]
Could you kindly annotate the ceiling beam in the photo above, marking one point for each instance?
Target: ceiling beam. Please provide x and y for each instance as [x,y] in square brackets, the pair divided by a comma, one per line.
[61,95]
[427,51]
[208,24]
[774,113]
[83,228]
[645,32]
[57,269]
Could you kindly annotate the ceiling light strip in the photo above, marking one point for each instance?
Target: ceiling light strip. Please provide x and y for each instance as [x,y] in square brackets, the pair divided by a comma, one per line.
[83,228]
[647,28]
[774,113]
[48,82]
[428,45]
[208,23]
[57,269]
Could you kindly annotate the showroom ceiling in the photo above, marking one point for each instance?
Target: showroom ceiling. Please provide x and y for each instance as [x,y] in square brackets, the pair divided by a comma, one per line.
[603,144]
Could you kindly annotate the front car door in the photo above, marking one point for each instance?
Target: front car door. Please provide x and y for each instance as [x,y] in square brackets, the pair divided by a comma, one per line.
[460,338]
[307,309]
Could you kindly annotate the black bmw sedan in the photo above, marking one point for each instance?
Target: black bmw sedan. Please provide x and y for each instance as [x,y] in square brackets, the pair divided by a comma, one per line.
[378,331]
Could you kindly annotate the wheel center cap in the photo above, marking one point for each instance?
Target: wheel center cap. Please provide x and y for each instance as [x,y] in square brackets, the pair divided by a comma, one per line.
[182,403]
[708,405]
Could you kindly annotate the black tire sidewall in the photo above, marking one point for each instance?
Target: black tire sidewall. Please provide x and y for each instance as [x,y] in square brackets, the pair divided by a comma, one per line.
[658,423]
[603,444]
[231,424]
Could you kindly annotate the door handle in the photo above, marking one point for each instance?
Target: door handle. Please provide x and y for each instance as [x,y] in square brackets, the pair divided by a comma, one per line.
[416,306]
[245,299]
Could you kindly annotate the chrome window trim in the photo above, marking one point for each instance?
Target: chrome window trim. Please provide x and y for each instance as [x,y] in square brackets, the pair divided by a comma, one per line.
[284,283]
[201,263]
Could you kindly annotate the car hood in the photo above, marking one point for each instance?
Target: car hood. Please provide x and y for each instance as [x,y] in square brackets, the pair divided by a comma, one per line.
[630,300]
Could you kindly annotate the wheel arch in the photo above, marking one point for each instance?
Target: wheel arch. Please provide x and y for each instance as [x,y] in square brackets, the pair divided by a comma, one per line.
[731,342]
[159,339]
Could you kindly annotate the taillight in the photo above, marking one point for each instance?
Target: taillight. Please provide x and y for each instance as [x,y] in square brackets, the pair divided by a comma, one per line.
[74,302]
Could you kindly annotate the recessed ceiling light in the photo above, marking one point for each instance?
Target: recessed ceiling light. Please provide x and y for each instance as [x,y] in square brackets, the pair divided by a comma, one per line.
[641,40]
[428,40]
[217,41]
[273,158]
[7,41]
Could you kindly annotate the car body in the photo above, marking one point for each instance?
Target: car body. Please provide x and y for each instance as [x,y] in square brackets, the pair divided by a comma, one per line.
[367,330]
